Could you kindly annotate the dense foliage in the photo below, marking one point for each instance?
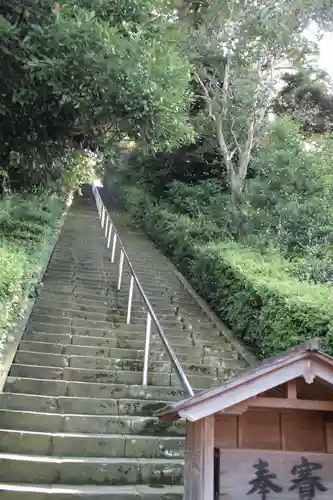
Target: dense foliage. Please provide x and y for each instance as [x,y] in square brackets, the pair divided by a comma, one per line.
[255,293]
[83,74]
[306,97]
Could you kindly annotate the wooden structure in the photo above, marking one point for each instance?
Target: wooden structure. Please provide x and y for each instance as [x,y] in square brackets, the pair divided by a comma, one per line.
[266,435]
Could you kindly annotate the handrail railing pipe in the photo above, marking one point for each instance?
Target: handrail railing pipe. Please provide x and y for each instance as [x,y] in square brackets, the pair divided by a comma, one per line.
[134,281]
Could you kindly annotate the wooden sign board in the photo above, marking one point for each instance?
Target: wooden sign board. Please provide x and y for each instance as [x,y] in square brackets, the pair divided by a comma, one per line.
[275,475]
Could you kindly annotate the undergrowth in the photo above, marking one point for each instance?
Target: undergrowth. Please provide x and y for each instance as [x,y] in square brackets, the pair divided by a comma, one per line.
[26,226]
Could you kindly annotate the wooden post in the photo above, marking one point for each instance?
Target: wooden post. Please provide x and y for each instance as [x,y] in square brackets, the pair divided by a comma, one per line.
[199,460]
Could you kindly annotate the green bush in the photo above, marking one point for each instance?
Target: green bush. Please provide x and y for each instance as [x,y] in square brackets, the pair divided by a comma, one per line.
[260,300]
[288,202]
[256,294]
[27,219]
[25,228]
[13,282]
[196,199]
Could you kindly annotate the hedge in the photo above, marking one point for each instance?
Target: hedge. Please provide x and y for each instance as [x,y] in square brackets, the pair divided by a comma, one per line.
[255,294]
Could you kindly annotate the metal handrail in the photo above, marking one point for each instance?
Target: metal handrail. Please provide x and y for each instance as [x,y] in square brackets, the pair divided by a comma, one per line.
[109,230]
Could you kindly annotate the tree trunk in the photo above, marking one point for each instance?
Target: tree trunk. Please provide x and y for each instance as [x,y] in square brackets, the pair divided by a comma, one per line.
[236,187]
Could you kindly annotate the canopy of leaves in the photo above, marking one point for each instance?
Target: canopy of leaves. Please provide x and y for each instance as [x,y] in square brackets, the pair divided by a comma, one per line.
[81,72]
[306,97]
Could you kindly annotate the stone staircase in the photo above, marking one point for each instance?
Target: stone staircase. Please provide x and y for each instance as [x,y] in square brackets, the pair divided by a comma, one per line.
[75,421]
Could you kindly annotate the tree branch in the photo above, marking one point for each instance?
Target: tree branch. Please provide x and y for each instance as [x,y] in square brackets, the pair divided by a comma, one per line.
[246,154]
[208,97]
[238,147]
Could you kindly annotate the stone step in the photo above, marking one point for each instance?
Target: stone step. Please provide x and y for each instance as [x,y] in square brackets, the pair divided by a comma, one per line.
[82,470]
[153,295]
[104,314]
[72,308]
[114,337]
[91,351]
[68,492]
[127,377]
[69,248]
[105,289]
[90,445]
[56,324]
[108,275]
[102,267]
[112,363]
[137,365]
[88,424]
[89,362]
[174,337]
[84,406]
[46,347]
[156,354]
[90,299]
[139,261]
[91,390]
[104,342]
[36,320]
[97,321]
[86,375]
[112,343]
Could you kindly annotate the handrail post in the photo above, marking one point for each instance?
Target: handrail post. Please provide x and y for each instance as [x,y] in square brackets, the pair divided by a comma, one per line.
[106,225]
[130,298]
[99,206]
[121,265]
[103,216]
[113,253]
[147,348]
[109,236]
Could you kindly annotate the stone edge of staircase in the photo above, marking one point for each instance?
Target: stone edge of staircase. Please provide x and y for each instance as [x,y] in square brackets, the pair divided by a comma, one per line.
[28,303]
[228,334]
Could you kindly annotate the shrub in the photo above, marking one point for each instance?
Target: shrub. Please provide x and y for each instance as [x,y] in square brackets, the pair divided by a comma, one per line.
[257,295]
[260,300]
[27,219]
[195,199]
[13,282]
[25,228]
[288,202]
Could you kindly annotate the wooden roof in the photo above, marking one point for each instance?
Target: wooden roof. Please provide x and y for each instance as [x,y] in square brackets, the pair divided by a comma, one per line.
[305,361]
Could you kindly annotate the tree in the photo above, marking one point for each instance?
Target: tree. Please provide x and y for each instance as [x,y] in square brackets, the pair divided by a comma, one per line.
[306,97]
[289,200]
[249,45]
[79,74]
